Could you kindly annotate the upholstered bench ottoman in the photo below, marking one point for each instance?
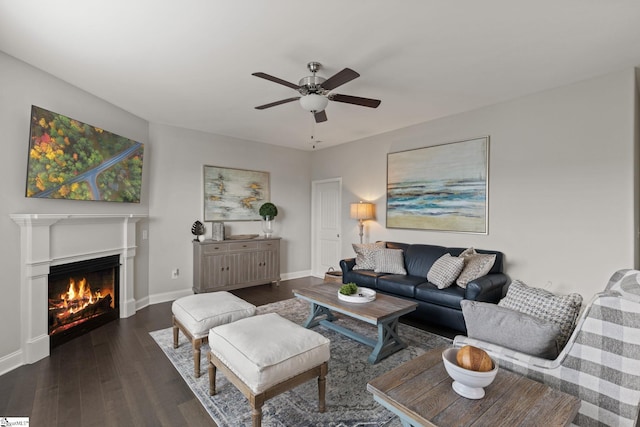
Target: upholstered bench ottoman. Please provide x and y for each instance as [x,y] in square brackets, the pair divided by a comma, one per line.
[266,355]
[195,314]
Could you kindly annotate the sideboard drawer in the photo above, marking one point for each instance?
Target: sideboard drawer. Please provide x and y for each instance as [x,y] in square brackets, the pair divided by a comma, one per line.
[214,248]
[269,245]
[243,246]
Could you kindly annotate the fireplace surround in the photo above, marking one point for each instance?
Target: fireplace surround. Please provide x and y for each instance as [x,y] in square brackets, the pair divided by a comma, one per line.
[50,240]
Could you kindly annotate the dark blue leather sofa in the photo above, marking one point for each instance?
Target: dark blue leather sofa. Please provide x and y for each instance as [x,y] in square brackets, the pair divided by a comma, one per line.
[437,306]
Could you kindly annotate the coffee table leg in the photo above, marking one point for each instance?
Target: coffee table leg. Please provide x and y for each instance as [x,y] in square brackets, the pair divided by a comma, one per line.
[388,340]
[316,312]
[406,422]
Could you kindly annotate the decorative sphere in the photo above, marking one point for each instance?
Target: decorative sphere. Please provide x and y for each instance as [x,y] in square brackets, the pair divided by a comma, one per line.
[474,359]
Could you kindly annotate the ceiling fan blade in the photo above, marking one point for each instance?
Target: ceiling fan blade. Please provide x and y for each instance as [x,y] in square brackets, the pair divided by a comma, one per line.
[348,99]
[276,80]
[273,104]
[339,79]
[320,116]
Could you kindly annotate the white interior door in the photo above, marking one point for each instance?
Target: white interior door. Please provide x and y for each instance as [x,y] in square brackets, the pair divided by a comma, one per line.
[326,233]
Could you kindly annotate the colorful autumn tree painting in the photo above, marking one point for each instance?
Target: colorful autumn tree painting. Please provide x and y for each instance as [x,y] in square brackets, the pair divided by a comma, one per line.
[69,159]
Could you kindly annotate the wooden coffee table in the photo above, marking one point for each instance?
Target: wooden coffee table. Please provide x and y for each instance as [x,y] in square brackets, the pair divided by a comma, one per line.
[383,312]
[420,393]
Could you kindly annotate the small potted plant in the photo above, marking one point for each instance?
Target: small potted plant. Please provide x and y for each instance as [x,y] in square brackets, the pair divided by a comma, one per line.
[268,211]
[198,230]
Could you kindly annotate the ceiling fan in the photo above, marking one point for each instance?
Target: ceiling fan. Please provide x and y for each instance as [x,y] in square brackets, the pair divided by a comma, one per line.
[315,91]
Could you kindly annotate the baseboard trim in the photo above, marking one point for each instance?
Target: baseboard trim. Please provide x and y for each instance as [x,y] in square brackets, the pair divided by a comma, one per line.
[295,275]
[169,296]
[174,295]
[11,361]
[142,303]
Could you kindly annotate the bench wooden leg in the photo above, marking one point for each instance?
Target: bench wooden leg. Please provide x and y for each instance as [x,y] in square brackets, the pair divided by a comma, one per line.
[256,416]
[256,401]
[197,343]
[175,333]
[322,386]
[212,376]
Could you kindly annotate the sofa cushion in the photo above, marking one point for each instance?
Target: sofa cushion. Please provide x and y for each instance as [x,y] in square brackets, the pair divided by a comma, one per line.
[511,329]
[398,284]
[497,265]
[560,309]
[445,270]
[390,261]
[366,278]
[418,259]
[366,255]
[447,297]
[475,265]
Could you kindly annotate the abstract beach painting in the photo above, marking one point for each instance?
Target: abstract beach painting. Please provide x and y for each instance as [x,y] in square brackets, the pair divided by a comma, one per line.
[442,187]
[234,194]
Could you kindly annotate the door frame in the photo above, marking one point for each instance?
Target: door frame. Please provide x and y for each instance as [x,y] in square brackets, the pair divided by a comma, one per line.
[315,261]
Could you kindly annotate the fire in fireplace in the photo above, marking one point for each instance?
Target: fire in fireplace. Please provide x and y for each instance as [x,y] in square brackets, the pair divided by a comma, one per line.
[82,296]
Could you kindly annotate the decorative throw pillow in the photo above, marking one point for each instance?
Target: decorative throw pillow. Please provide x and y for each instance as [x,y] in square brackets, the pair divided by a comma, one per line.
[366,255]
[445,270]
[511,329]
[562,310]
[390,261]
[475,265]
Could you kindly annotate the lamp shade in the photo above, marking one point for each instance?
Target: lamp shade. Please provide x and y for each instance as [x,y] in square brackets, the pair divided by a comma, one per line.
[314,102]
[361,211]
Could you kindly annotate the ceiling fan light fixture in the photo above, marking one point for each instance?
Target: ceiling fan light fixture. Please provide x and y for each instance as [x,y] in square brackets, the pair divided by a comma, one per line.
[314,102]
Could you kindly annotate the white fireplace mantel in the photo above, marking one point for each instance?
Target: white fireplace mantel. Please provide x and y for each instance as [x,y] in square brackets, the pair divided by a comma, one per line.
[55,239]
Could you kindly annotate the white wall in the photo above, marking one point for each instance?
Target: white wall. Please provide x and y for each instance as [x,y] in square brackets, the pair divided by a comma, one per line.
[562,194]
[171,193]
[20,87]
[176,201]
[561,182]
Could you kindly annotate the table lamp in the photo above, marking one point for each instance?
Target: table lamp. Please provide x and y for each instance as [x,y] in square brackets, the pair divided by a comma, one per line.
[361,211]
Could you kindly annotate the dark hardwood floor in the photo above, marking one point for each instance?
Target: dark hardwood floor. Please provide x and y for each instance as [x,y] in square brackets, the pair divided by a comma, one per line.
[116,375]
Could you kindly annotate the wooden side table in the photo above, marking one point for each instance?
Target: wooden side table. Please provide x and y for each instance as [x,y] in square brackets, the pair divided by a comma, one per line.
[420,393]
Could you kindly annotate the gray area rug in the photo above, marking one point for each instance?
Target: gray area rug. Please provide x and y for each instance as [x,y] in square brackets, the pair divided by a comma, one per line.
[349,404]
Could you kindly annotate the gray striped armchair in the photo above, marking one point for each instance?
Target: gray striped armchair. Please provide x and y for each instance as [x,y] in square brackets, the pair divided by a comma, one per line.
[600,363]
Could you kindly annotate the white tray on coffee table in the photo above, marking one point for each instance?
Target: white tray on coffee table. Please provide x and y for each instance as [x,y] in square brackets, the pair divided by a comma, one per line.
[362,295]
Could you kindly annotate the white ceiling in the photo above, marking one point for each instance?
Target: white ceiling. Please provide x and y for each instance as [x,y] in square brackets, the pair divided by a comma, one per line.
[188,63]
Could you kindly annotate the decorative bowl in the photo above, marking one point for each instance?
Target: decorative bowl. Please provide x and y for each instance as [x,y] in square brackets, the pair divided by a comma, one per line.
[361,295]
[467,383]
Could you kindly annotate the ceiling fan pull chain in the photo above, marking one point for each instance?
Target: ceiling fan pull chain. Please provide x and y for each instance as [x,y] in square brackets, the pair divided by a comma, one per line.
[313,133]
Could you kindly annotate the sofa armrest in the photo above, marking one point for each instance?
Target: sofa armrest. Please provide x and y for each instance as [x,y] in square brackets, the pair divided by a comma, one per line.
[347,265]
[486,288]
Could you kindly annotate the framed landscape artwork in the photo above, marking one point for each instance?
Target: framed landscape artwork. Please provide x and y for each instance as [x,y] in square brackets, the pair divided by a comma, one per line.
[442,187]
[234,194]
[69,159]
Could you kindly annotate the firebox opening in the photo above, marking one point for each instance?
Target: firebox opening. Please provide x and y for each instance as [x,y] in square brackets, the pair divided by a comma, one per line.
[82,296]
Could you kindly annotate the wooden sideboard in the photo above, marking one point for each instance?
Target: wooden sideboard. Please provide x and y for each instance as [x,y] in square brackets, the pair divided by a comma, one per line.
[232,264]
